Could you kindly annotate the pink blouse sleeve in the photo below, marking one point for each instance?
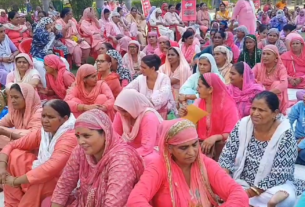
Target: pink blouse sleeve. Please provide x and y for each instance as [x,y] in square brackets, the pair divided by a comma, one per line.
[117,124]
[29,142]
[54,166]
[121,180]
[86,28]
[283,78]
[148,186]
[69,79]
[224,186]
[6,121]
[237,9]
[68,179]
[71,94]
[108,93]
[148,133]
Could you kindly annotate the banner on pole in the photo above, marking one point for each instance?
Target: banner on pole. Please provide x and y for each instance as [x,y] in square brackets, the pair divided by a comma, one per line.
[188,10]
[145,7]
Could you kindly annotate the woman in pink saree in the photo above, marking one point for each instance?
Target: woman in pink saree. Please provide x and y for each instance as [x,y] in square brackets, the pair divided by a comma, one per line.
[243,87]
[215,99]
[294,61]
[24,115]
[181,176]
[177,68]
[89,25]
[105,180]
[137,122]
[89,93]
[78,47]
[272,74]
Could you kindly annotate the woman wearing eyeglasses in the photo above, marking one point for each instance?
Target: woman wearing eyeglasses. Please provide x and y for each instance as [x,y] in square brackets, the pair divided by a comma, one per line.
[132,59]
[103,65]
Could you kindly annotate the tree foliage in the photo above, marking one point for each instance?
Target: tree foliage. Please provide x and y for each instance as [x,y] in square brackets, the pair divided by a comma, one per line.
[8,4]
[78,7]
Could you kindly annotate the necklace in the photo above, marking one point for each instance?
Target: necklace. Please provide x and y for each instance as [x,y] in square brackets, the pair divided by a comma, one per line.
[270,71]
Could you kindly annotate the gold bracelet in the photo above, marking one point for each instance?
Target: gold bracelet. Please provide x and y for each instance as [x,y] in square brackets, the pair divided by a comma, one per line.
[255,191]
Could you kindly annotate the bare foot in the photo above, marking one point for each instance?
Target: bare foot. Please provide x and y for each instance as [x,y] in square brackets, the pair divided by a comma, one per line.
[277,198]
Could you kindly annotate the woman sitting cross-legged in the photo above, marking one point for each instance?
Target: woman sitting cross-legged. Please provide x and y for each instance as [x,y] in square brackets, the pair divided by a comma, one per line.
[58,78]
[261,152]
[137,122]
[89,93]
[30,178]
[24,113]
[104,165]
[182,176]
[216,100]
[243,87]
[155,86]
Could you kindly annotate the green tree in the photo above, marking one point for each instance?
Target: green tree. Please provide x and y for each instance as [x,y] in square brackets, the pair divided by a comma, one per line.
[78,7]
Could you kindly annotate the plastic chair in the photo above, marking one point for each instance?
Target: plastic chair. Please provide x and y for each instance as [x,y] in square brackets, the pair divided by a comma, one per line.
[151,28]
[25,46]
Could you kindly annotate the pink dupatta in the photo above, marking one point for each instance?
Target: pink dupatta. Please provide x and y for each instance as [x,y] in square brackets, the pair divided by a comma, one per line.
[277,80]
[224,113]
[244,96]
[176,132]
[230,43]
[57,85]
[137,105]
[19,118]
[183,68]
[188,51]
[97,120]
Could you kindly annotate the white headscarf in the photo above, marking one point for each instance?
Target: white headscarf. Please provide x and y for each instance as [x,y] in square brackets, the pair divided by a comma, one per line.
[5,51]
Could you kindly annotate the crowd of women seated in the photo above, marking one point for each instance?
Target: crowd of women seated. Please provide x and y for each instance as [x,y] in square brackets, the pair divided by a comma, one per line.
[146,122]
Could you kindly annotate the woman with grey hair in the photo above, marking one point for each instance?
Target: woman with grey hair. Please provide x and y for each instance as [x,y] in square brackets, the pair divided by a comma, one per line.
[156,20]
[241,32]
[273,38]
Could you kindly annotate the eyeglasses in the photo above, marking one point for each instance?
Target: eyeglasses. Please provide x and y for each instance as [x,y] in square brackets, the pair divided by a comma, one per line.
[100,61]
[150,36]
[132,47]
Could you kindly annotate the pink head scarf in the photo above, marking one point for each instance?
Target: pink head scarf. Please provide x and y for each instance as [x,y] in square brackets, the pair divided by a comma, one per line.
[222,103]
[290,56]
[136,104]
[249,89]
[184,67]
[130,65]
[57,85]
[176,132]
[300,20]
[32,104]
[150,49]
[98,120]
[158,50]
[262,74]
[83,72]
